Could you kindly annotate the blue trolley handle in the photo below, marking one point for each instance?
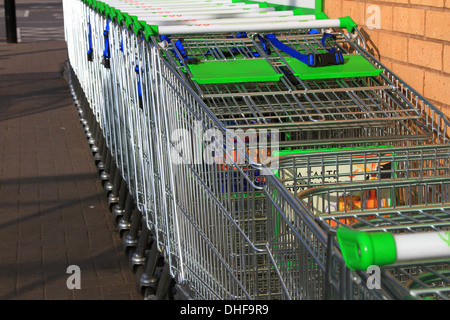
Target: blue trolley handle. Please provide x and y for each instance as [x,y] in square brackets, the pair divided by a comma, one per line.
[106,54]
[265,45]
[179,45]
[89,53]
[136,69]
[332,57]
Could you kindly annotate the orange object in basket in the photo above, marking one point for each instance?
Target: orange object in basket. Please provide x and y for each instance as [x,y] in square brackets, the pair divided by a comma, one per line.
[237,158]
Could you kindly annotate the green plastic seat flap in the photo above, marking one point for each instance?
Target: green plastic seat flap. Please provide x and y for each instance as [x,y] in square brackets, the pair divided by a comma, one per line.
[233,71]
[354,66]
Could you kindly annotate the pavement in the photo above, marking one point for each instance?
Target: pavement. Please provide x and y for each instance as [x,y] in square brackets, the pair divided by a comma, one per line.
[36,20]
[53,209]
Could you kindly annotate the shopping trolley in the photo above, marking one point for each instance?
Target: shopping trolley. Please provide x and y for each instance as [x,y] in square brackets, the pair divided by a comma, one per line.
[236,102]
[345,109]
[223,271]
[420,128]
[242,202]
[156,85]
[410,243]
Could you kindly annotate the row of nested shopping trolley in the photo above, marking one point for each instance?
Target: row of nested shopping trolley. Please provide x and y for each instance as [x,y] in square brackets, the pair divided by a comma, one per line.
[254,153]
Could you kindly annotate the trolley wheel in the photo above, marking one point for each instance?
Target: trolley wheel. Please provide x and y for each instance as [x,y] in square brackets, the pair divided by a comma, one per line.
[138,271]
[123,233]
[117,218]
[112,206]
[164,284]
[171,293]
[149,293]
[129,251]
[97,157]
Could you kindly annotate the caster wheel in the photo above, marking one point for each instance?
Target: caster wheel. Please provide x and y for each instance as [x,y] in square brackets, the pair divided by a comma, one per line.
[123,233]
[149,294]
[117,220]
[129,251]
[138,271]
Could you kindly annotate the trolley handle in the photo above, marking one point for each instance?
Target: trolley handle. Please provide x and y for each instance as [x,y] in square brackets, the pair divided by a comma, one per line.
[362,249]
[89,52]
[332,57]
[106,52]
[371,184]
[179,51]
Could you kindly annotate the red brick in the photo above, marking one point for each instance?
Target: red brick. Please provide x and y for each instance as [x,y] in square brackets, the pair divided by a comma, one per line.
[446,66]
[425,53]
[387,17]
[356,10]
[409,20]
[396,1]
[386,62]
[436,87]
[393,46]
[433,3]
[413,76]
[333,9]
[437,25]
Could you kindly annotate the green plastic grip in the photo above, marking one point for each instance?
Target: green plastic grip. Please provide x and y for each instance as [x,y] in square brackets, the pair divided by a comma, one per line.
[348,23]
[101,7]
[137,25]
[361,250]
[98,6]
[150,30]
[120,17]
[321,15]
[128,20]
[112,13]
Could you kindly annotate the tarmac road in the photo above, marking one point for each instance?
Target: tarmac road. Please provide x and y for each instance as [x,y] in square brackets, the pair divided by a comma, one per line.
[36,21]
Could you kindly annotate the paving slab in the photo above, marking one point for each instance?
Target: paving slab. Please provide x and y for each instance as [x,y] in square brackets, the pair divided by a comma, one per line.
[53,209]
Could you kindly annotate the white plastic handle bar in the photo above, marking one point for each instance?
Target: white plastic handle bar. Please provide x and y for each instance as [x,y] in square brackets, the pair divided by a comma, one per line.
[171,2]
[154,19]
[184,4]
[362,249]
[248,26]
[194,6]
[143,14]
[197,10]
[425,245]
[258,19]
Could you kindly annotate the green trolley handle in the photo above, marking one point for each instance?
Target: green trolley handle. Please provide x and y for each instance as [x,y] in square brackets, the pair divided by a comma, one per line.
[361,249]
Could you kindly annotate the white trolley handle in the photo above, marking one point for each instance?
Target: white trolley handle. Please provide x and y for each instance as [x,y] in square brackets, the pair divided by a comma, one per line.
[362,249]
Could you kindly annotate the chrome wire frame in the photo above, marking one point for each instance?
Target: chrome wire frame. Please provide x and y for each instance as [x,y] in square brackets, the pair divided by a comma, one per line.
[225,232]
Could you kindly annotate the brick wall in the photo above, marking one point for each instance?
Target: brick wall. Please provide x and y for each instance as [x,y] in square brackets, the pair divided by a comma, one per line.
[410,37]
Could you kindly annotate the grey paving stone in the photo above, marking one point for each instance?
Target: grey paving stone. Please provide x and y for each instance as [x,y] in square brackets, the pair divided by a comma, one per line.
[53,210]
